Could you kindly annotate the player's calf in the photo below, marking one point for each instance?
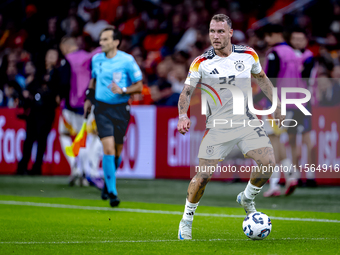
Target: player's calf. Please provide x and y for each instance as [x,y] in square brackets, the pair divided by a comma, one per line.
[195,192]
[266,164]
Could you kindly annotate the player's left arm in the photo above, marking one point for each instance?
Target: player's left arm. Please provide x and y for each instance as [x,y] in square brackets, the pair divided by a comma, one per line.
[267,88]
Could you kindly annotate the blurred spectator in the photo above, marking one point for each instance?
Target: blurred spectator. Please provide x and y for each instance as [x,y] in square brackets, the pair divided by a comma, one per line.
[335,74]
[155,38]
[75,83]
[11,81]
[86,5]
[335,26]
[30,72]
[157,29]
[43,96]
[12,34]
[10,97]
[3,33]
[131,21]
[72,25]
[328,91]
[95,25]
[299,41]
[108,10]
[49,38]
[190,36]
[175,32]
[13,75]
[177,78]
[80,62]
[238,37]
[161,92]
[32,26]
[30,82]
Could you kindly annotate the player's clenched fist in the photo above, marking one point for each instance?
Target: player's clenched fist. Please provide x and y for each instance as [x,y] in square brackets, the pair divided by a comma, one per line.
[183,124]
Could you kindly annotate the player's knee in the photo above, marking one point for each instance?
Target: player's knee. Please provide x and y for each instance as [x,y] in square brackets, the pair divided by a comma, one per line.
[109,151]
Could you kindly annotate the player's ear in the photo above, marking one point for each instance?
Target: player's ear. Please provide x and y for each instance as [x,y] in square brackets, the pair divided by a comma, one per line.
[231,32]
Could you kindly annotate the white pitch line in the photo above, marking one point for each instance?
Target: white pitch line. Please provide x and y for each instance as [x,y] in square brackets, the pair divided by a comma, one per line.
[96,208]
[159,241]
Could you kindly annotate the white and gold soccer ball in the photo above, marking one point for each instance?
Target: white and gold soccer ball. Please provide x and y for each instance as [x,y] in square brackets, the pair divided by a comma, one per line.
[257,226]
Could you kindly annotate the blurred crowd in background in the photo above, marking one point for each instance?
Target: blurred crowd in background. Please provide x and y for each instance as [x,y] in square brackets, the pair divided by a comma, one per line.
[163,36]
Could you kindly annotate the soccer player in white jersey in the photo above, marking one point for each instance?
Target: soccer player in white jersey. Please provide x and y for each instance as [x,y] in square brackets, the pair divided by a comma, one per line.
[231,65]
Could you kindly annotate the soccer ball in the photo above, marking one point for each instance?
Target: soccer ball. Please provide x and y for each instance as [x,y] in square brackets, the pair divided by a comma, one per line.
[257,226]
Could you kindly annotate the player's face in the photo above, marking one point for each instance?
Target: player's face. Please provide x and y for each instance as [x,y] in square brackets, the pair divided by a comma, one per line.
[106,41]
[270,39]
[220,34]
[298,40]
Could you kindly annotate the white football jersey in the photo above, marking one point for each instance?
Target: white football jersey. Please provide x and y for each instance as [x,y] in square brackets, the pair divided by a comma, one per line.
[212,72]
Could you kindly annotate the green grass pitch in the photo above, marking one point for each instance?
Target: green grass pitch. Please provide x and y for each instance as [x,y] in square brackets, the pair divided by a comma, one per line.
[43,215]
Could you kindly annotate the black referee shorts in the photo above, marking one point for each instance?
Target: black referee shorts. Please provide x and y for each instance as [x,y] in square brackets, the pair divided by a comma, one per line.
[112,120]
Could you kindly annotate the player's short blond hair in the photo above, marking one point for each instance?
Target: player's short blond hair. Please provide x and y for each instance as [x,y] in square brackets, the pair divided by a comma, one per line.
[222,18]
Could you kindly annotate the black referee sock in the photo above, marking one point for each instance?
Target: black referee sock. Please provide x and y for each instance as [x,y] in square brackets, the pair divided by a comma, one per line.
[118,160]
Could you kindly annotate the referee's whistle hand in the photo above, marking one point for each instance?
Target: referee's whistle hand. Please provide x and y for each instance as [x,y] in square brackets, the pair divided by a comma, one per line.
[183,125]
[115,88]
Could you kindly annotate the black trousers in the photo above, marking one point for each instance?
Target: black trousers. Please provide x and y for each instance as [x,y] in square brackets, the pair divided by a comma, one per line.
[38,126]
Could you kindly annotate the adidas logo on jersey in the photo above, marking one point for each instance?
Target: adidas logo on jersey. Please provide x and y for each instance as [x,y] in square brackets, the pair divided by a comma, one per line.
[214,71]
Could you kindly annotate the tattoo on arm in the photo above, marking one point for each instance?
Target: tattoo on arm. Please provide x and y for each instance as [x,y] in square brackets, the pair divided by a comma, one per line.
[265,85]
[184,99]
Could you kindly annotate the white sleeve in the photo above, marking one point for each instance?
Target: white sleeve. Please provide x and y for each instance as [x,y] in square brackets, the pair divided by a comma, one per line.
[256,67]
[194,74]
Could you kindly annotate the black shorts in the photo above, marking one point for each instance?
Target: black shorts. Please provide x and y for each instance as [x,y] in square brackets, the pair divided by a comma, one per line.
[112,120]
[304,122]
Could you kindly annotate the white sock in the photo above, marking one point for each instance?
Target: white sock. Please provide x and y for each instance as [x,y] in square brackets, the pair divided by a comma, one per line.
[251,191]
[275,178]
[189,210]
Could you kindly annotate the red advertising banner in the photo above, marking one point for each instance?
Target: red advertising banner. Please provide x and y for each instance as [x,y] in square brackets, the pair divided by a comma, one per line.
[138,155]
[175,152]
[173,149]
[326,125]
[155,149]
[12,136]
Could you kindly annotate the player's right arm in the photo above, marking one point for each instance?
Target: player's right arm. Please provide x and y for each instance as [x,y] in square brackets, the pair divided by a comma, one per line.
[183,106]
[194,76]
[90,97]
